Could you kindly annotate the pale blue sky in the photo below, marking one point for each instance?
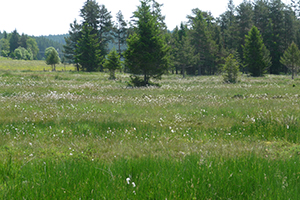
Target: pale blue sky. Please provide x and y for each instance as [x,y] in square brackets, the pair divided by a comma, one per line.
[44,17]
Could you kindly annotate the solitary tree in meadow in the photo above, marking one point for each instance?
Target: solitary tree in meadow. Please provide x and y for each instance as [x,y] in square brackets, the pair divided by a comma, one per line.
[291,59]
[112,63]
[52,57]
[231,69]
[147,52]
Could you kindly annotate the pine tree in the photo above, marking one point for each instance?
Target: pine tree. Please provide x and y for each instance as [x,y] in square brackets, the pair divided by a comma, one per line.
[14,40]
[105,29]
[22,41]
[256,55]
[244,23]
[291,59]
[120,32]
[112,63]
[90,13]
[229,27]
[99,20]
[277,41]
[71,42]
[87,53]
[186,57]
[203,44]
[147,53]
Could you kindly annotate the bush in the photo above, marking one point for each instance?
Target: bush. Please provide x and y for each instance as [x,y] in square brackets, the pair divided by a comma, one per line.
[231,70]
[136,81]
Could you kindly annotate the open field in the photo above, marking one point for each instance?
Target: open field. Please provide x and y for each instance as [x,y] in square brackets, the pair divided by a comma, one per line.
[30,65]
[68,135]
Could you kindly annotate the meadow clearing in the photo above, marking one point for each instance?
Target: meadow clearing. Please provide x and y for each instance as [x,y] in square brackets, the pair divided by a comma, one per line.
[69,135]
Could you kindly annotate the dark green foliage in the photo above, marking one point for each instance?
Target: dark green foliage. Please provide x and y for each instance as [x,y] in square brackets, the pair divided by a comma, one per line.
[90,13]
[244,23]
[201,36]
[71,42]
[57,38]
[14,40]
[98,19]
[184,50]
[120,32]
[256,55]
[112,63]
[291,59]
[22,41]
[105,28]
[147,53]
[88,54]
[43,43]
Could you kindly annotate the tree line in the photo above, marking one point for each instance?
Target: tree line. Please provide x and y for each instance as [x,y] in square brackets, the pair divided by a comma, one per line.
[26,47]
[198,46]
[18,46]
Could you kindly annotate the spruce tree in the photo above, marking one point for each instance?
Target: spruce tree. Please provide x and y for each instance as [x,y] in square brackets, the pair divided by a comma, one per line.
[256,55]
[71,42]
[147,52]
[87,53]
[244,24]
[112,63]
[90,13]
[203,44]
[105,29]
[277,37]
[120,32]
[14,40]
[291,59]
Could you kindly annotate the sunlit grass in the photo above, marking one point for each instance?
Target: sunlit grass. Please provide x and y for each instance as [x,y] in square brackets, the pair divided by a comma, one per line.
[69,135]
[9,64]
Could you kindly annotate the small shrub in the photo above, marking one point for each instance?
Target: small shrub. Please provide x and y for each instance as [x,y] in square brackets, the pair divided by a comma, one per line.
[231,70]
[136,81]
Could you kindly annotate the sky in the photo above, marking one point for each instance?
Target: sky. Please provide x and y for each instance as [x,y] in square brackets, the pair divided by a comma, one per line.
[44,17]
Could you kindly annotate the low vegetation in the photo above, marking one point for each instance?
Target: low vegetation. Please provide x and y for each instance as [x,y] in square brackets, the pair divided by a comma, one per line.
[84,136]
[30,65]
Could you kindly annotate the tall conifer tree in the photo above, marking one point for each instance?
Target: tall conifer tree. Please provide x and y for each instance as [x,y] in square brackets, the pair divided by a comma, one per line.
[147,52]
[256,55]
[88,54]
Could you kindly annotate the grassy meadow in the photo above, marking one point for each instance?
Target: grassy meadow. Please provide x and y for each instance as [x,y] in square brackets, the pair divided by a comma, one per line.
[30,65]
[69,135]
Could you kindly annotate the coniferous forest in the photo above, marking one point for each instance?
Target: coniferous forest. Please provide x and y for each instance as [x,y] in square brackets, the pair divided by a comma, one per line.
[198,46]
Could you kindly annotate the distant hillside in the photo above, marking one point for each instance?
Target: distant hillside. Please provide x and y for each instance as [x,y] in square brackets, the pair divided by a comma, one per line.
[57,38]
[56,41]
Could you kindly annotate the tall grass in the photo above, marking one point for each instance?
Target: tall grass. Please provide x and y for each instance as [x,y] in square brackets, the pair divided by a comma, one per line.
[80,135]
[192,177]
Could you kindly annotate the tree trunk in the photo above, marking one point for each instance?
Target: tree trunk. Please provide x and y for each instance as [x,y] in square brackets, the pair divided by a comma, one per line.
[199,70]
[183,71]
[145,79]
